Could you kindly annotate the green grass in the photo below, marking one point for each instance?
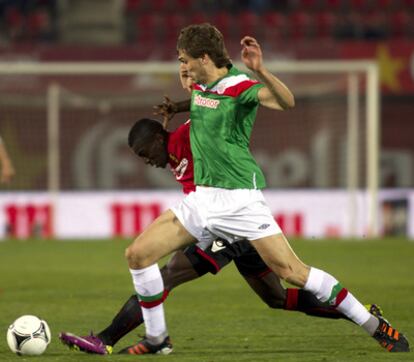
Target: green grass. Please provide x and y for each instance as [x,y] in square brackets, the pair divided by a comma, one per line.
[78,286]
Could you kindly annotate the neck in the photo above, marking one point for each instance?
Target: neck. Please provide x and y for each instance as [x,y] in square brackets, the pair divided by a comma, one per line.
[216,74]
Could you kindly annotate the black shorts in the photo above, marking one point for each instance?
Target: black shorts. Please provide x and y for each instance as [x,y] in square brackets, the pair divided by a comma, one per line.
[220,253]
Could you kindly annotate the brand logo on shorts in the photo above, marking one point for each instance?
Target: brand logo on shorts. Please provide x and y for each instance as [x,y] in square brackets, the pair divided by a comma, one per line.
[264,226]
[217,246]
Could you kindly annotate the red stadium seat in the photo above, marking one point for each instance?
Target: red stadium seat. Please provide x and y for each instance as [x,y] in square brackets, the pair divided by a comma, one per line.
[385,5]
[224,22]
[301,25]
[275,26]
[148,27]
[198,18]
[133,5]
[408,4]
[334,5]
[172,24]
[325,24]
[309,5]
[248,24]
[399,24]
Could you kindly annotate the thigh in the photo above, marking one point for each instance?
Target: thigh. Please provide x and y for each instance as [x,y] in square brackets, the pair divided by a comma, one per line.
[213,258]
[249,263]
[165,235]
[277,253]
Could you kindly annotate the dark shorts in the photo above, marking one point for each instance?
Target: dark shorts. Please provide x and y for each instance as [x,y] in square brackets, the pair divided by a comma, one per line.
[221,253]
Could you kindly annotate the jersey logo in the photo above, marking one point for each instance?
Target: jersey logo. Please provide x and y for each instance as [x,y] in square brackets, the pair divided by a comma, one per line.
[217,246]
[264,226]
[206,102]
[179,171]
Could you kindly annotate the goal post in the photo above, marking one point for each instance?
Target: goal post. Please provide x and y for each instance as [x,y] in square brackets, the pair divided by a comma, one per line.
[332,142]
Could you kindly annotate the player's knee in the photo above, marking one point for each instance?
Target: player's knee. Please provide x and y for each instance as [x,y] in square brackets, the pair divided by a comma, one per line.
[295,276]
[135,259]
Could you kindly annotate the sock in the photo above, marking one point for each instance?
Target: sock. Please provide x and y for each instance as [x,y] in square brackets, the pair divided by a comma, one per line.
[128,318]
[150,289]
[329,291]
[304,301]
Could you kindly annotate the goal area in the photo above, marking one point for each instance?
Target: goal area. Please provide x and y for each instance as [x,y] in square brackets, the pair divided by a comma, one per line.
[66,124]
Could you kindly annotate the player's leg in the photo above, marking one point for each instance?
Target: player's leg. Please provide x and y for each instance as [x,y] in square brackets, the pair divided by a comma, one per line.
[268,287]
[178,270]
[277,253]
[163,236]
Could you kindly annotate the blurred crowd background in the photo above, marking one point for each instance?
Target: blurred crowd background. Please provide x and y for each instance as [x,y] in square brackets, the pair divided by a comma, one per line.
[145,21]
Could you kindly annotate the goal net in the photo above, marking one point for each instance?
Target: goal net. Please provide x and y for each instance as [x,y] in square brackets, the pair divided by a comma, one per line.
[65,125]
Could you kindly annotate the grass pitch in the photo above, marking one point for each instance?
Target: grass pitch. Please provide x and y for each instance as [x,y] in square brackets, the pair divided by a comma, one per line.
[78,286]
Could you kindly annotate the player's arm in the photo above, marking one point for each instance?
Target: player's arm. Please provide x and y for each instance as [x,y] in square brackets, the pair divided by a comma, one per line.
[275,94]
[7,169]
[169,108]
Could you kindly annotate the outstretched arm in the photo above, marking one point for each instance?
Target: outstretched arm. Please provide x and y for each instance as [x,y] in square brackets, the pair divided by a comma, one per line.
[275,94]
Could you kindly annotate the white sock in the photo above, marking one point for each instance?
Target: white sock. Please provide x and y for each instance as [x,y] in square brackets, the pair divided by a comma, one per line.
[328,290]
[149,286]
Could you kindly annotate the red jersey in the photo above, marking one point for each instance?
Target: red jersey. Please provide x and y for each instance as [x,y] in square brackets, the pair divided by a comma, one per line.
[180,157]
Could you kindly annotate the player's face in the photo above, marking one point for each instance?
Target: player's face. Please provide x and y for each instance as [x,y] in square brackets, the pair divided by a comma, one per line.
[154,152]
[186,80]
[192,66]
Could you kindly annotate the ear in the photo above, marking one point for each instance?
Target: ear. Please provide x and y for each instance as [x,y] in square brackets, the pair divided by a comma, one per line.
[205,59]
[159,137]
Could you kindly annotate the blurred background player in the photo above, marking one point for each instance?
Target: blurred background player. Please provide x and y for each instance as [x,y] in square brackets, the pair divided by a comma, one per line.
[6,165]
[159,148]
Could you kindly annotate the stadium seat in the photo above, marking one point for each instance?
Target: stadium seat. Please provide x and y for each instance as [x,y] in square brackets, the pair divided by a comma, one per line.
[375,26]
[408,4]
[198,17]
[224,22]
[301,25]
[158,5]
[334,5]
[248,24]
[148,27]
[172,24]
[399,24]
[386,5]
[14,22]
[325,24]
[309,5]
[133,5]
[276,26]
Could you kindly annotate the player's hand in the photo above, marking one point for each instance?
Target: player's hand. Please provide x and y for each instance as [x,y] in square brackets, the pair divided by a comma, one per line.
[251,53]
[167,109]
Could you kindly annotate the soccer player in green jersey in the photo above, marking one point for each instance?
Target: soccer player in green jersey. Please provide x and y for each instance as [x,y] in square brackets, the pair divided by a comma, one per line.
[228,202]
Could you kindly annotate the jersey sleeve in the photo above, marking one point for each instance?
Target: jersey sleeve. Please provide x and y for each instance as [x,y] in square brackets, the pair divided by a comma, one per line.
[250,95]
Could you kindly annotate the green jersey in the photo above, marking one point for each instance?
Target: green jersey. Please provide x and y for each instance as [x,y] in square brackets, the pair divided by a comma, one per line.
[222,118]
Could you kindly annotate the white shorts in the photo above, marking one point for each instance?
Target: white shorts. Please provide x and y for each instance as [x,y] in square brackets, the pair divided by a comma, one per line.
[233,215]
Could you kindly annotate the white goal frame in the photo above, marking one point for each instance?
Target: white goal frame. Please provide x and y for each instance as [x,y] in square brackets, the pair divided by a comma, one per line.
[354,70]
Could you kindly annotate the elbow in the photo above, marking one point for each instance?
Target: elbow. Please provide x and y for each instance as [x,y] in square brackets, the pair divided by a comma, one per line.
[289,103]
